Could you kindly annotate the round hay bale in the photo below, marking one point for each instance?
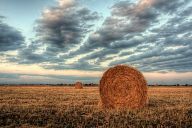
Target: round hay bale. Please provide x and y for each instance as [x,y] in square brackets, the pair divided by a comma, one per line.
[123,87]
[78,85]
[100,104]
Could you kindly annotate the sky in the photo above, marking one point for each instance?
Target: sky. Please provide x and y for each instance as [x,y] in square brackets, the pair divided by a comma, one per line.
[63,41]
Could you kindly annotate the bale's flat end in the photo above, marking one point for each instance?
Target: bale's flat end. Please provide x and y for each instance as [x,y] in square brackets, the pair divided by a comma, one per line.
[123,87]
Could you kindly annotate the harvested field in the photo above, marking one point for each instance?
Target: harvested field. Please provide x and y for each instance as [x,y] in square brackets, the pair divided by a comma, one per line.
[48,106]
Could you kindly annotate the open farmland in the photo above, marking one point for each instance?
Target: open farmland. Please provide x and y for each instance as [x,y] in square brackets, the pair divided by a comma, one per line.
[48,106]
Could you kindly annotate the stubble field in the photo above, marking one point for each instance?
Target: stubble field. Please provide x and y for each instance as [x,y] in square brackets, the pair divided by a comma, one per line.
[48,106]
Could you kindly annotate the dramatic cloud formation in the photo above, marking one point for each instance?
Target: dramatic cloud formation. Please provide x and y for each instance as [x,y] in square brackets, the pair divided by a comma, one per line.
[60,29]
[10,38]
[152,35]
[64,26]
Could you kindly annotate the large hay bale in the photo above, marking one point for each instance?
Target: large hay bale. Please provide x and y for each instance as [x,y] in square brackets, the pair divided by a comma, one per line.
[123,87]
[78,85]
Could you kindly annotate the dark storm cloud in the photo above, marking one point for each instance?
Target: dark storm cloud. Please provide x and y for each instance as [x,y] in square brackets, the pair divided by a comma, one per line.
[10,38]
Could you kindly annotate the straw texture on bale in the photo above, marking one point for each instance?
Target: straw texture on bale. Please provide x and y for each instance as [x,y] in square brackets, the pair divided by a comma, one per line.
[78,85]
[123,87]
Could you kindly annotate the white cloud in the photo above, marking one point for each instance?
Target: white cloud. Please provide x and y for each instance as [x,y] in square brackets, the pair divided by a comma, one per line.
[66,3]
[37,70]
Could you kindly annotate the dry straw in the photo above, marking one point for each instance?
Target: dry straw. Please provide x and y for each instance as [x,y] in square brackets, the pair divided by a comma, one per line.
[78,85]
[190,94]
[123,87]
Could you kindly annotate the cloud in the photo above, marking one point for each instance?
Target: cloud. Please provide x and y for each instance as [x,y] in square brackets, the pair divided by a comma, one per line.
[152,35]
[156,30]
[64,26]
[1,17]
[66,3]
[10,38]
[81,65]
[125,22]
[10,76]
[157,78]
[54,79]
[59,29]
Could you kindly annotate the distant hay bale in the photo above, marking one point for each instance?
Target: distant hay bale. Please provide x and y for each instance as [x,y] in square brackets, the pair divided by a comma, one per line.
[123,87]
[78,85]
